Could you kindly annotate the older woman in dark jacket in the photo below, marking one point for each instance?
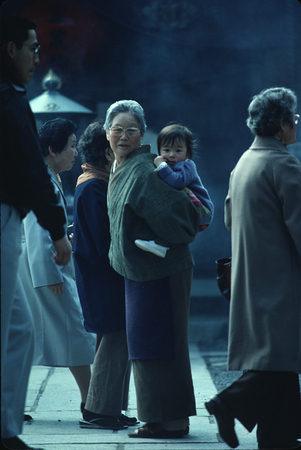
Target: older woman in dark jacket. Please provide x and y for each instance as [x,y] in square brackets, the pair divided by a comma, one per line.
[100,288]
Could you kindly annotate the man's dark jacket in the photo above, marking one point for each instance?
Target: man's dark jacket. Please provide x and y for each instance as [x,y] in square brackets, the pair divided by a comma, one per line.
[25,182]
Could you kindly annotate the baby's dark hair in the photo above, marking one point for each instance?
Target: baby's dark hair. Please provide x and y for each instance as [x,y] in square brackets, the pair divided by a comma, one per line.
[173,133]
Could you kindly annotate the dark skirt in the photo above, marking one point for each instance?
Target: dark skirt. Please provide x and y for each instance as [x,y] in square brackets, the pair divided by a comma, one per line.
[164,387]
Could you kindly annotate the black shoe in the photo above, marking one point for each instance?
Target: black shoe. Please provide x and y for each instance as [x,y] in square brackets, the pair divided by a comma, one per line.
[155,431]
[82,407]
[27,418]
[103,422]
[15,443]
[186,431]
[225,420]
[130,421]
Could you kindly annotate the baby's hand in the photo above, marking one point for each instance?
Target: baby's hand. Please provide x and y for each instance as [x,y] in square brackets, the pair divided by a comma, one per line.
[159,160]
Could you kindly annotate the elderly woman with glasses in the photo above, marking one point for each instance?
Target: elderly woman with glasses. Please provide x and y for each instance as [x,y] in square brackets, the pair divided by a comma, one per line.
[157,292]
[263,212]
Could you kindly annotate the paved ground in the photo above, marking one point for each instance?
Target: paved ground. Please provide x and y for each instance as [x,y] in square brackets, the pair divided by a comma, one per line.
[53,397]
[53,401]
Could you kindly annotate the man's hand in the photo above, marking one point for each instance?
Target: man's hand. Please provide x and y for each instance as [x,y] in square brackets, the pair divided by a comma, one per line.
[63,251]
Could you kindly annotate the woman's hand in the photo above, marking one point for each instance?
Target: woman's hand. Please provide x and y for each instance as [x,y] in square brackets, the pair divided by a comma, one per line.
[159,160]
[56,288]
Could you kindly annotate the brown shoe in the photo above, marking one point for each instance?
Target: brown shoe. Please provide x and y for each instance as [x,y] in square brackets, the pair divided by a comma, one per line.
[155,431]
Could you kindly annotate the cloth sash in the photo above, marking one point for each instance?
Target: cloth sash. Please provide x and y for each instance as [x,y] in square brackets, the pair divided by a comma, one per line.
[149,319]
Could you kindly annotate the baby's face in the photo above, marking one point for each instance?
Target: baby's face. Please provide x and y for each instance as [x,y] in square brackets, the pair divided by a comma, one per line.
[174,152]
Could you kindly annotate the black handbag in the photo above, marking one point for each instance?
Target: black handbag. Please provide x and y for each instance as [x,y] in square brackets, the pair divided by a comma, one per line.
[223,276]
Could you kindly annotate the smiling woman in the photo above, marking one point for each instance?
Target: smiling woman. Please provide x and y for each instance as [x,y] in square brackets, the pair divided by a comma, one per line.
[125,128]
[157,292]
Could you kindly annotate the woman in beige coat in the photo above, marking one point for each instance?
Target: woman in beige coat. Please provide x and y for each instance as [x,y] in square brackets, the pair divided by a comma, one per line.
[263,212]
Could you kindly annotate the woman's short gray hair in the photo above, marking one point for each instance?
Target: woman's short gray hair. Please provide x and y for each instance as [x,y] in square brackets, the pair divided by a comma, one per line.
[268,108]
[126,106]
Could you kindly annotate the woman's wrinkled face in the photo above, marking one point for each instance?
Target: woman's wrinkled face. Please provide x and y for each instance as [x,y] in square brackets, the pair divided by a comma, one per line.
[289,134]
[124,135]
[66,158]
[287,130]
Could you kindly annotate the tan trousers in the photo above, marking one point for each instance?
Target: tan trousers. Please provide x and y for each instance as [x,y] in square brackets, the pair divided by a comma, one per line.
[109,385]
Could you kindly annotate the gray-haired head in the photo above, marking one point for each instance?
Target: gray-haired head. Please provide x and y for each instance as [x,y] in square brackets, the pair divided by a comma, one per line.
[126,106]
[92,145]
[268,108]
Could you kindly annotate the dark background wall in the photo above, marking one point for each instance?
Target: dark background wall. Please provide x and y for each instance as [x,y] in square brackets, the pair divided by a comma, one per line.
[189,61]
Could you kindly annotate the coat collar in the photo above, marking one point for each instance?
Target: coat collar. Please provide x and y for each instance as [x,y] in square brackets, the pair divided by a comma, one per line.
[268,143]
[6,85]
[57,183]
[137,151]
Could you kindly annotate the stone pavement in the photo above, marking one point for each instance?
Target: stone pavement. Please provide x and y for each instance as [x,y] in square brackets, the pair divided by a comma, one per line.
[53,401]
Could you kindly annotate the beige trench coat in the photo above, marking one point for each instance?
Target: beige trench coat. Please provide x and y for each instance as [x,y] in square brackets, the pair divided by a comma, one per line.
[263,211]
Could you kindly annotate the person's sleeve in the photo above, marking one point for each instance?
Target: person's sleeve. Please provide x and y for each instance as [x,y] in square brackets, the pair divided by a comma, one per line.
[227,208]
[40,252]
[44,202]
[182,174]
[288,187]
[91,226]
[30,174]
[204,197]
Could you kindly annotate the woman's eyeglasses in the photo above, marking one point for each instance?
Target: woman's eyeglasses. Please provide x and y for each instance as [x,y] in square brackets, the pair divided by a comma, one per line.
[130,132]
